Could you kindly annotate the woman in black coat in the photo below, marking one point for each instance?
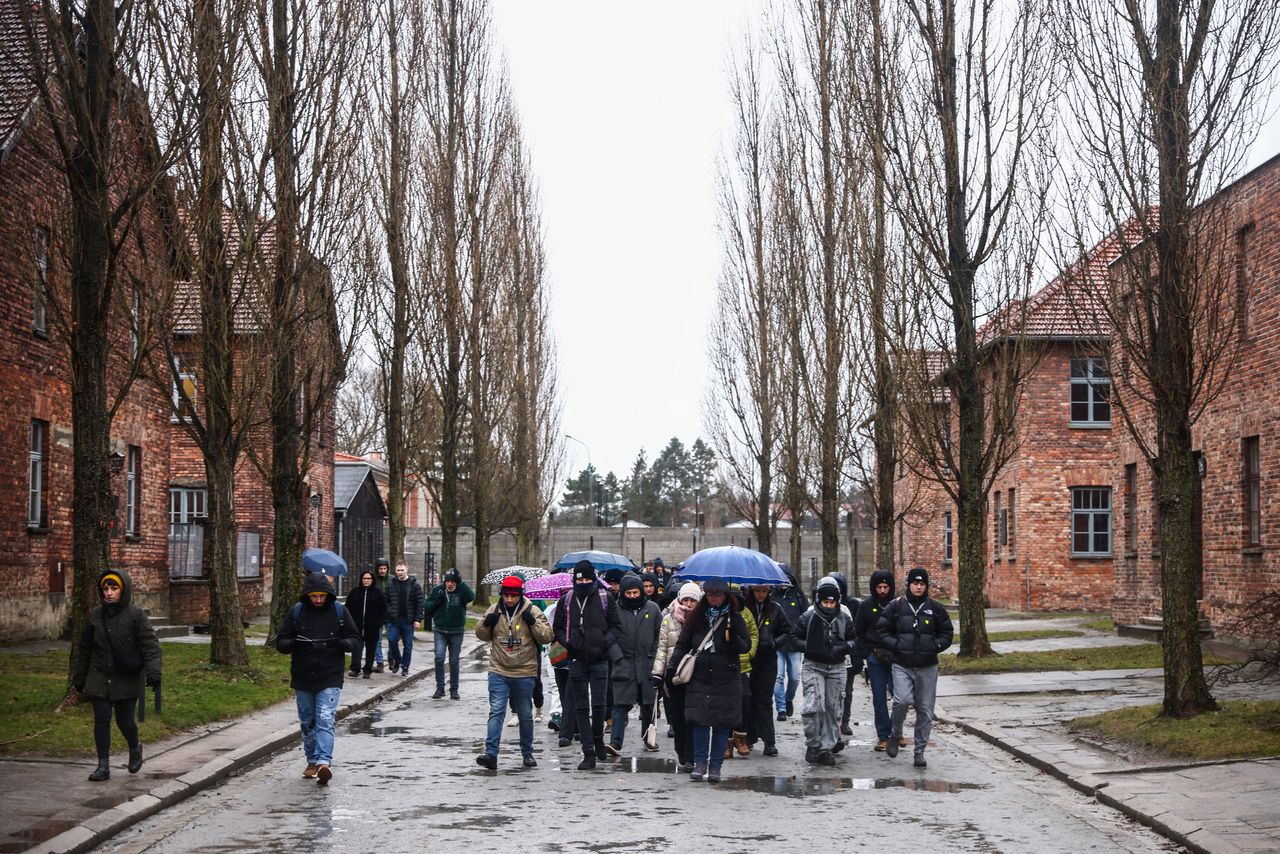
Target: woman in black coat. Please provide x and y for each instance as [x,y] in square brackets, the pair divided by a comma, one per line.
[368,609]
[713,696]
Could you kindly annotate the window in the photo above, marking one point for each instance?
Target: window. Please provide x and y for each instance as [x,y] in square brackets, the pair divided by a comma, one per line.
[133,489]
[1252,493]
[183,386]
[185,506]
[902,544]
[1009,527]
[1091,521]
[1131,508]
[37,510]
[248,554]
[1090,391]
[948,536]
[1002,526]
[40,310]
[135,323]
[1243,238]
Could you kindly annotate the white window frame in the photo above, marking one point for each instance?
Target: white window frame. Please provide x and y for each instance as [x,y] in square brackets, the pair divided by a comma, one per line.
[133,484]
[37,473]
[39,303]
[1091,518]
[181,380]
[186,504]
[948,538]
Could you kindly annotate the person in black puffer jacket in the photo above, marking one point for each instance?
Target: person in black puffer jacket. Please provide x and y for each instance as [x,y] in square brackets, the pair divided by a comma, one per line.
[118,652]
[879,660]
[792,602]
[774,631]
[914,628]
[368,609]
[825,633]
[586,622]
[404,617]
[318,633]
[713,696]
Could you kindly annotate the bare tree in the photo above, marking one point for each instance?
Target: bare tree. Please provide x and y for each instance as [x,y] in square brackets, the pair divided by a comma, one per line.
[966,148]
[1168,96]
[359,419]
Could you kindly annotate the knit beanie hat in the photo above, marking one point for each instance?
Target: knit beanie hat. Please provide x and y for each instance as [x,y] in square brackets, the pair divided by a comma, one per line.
[583,570]
[690,590]
[919,573]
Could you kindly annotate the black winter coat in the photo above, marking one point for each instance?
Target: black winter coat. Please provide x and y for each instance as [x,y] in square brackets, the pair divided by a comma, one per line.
[119,651]
[868,614]
[773,627]
[713,697]
[317,640]
[589,632]
[827,640]
[914,637]
[368,608]
[413,590]
[792,601]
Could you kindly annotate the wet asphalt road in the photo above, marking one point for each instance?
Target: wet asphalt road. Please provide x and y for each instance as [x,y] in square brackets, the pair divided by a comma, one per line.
[406,780]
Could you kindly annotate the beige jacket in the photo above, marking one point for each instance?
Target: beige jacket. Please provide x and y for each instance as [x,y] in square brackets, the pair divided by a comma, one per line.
[668,634]
[513,648]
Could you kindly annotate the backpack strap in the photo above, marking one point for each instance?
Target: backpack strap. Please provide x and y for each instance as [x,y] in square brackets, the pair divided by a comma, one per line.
[296,611]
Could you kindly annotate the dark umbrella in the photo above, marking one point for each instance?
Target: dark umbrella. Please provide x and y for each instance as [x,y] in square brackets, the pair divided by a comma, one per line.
[324,562]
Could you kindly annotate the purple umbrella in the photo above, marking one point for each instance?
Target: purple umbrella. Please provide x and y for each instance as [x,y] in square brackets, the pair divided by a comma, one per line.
[548,586]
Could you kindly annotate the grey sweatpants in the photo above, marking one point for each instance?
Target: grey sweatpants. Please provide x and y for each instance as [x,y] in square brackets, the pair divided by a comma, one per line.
[916,686]
[823,686]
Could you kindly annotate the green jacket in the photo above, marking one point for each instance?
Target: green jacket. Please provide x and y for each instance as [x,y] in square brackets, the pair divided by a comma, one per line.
[449,610]
[115,637]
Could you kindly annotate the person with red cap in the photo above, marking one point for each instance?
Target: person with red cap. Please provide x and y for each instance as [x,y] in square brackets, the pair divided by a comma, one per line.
[513,627]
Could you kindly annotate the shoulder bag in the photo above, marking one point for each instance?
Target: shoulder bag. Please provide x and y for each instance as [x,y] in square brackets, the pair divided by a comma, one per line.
[684,670]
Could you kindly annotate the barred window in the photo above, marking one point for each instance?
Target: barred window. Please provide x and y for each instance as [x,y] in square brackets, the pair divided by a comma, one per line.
[948,537]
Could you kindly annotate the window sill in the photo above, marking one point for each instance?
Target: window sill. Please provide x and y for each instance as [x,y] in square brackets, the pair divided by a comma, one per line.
[1092,556]
[946,563]
[42,334]
[1130,555]
[1251,551]
[1089,425]
[37,530]
[249,579]
[133,538]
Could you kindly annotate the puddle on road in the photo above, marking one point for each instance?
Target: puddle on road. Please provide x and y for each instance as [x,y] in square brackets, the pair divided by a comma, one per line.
[31,836]
[802,787]
[105,802]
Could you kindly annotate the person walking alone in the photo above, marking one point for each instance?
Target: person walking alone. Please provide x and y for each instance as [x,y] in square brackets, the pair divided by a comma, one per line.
[404,617]
[317,633]
[118,654]
[914,628]
[368,609]
[447,607]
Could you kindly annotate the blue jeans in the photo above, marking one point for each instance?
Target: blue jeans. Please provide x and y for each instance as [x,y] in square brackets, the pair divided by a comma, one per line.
[377,650]
[518,691]
[450,642]
[784,687]
[709,744]
[398,632]
[881,676]
[317,713]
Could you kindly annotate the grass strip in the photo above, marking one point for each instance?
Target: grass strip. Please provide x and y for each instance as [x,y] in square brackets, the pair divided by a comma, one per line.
[1130,657]
[1033,634]
[195,692]
[1240,729]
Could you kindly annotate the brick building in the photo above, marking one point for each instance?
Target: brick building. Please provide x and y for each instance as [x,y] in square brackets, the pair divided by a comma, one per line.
[35,421]
[1236,439]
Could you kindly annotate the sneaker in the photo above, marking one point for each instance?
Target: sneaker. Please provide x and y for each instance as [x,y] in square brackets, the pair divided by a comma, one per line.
[684,767]
[565,742]
[770,750]
[366,674]
[845,729]
[791,709]
[323,775]
[453,695]
[377,668]
[530,762]
[439,694]
[404,671]
[512,721]
[782,716]
[825,758]
[919,761]
[613,749]
[588,762]
[554,723]
[892,747]
[882,744]
[811,755]
[487,760]
[713,775]
[537,718]
[353,673]
[699,772]
[310,771]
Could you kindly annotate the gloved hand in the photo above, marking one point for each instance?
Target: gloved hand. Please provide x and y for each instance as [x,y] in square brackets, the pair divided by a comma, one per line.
[153,680]
[655,680]
[529,617]
[491,619]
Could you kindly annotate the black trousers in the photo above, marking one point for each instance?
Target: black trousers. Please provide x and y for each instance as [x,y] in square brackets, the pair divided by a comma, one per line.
[368,645]
[674,706]
[590,684]
[568,709]
[760,699]
[128,725]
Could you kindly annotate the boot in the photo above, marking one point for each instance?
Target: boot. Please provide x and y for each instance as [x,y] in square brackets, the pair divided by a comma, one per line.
[135,758]
[740,743]
[439,694]
[699,772]
[588,762]
[102,772]
[811,754]
[728,750]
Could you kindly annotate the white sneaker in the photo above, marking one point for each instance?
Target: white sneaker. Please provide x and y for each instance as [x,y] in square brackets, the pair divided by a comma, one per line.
[512,720]
[537,718]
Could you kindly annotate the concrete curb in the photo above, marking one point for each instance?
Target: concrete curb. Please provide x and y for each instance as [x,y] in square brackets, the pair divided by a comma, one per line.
[1194,838]
[101,827]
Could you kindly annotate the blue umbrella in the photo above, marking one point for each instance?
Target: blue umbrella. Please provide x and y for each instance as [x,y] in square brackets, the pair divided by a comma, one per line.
[602,561]
[734,564]
[324,562]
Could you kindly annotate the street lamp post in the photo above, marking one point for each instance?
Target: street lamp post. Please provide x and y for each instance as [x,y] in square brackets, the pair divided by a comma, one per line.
[591,476]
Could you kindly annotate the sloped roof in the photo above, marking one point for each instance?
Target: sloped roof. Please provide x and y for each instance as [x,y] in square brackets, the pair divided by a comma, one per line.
[17,90]
[249,298]
[348,477]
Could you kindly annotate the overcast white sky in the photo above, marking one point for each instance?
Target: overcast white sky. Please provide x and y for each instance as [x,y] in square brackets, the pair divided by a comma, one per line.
[625,108]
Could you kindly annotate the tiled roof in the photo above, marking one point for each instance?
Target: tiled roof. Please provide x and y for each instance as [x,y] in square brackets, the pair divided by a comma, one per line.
[249,312]
[17,91]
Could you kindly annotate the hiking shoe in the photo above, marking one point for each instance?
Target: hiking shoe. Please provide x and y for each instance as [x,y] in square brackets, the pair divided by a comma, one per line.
[902,741]
[530,762]
[310,771]
[453,695]
[438,695]
[882,744]
[740,744]
[612,749]
[554,723]
[135,759]
[770,750]
[323,775]
[919,761]
[825,758]
[588,762]
[565,742]
[782,716]
[845,729]
[487,760]
[699,772]
[892,747]
[713,774]
[811,755]
[377,668]
[102,772]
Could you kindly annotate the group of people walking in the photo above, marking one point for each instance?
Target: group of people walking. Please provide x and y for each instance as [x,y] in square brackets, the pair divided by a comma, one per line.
[723,663]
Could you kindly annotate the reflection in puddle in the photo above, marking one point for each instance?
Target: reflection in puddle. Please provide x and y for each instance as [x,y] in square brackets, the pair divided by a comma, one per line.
[796,787]
[105,802]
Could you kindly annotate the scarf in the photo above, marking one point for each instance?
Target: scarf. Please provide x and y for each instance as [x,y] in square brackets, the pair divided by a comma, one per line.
[714,614]
[681,612]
